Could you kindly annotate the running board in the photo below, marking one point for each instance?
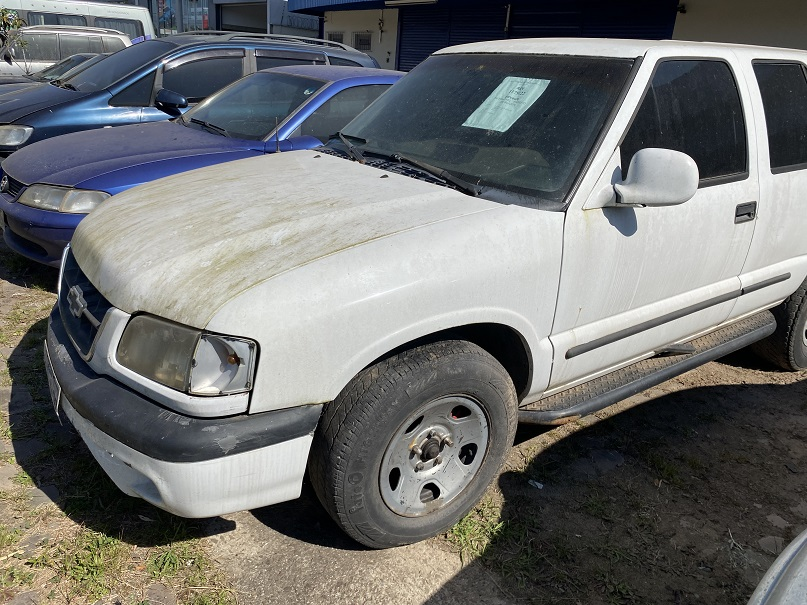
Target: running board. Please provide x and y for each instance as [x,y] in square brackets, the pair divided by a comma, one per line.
[606,390]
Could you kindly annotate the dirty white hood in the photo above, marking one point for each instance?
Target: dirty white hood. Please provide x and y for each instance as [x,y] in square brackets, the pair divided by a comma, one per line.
[183,246]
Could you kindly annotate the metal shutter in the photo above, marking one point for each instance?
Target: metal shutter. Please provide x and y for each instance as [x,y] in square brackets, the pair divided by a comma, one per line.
[425,29]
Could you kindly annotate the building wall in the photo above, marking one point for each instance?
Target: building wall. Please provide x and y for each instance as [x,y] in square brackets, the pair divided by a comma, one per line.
[771,23]
[382,24]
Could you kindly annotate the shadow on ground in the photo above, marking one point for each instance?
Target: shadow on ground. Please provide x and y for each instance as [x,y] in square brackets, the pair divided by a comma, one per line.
[671,501]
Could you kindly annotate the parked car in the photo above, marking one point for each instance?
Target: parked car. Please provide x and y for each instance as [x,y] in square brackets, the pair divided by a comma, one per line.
[518,230]
[39,46]
[49,73]
[49,187]
[148,81]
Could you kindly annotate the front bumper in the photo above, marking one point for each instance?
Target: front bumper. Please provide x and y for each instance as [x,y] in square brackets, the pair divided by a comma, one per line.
[192,467]
[39,235]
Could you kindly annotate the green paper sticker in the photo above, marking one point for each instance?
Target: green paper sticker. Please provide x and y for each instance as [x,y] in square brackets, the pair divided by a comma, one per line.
[507,103]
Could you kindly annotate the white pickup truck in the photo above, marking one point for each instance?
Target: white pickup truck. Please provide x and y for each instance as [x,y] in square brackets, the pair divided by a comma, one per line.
[521,230]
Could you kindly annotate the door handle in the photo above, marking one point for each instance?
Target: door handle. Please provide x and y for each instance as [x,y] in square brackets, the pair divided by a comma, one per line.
[745,212]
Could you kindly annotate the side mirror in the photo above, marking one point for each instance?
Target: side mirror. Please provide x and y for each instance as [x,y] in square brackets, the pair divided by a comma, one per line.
[658,177]
[170,102]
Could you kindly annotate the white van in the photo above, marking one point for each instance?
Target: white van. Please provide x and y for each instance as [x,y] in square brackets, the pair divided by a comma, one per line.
[134,21]
[40,46]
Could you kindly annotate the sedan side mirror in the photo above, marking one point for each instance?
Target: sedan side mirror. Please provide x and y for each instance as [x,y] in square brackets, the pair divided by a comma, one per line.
[170,102]
[658,177]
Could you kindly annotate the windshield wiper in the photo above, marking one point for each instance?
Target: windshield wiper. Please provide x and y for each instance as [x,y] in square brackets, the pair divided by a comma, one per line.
[461,184]
[211,127]
[351,149]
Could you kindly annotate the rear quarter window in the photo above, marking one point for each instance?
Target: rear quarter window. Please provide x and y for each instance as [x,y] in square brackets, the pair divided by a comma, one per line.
[783,87]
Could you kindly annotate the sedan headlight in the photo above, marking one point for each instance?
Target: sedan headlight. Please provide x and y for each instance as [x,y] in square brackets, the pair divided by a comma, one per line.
[12,135]
[62,199]
[185,359]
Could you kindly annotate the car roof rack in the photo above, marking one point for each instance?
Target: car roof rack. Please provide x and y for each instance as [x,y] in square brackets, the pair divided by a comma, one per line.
[229,35]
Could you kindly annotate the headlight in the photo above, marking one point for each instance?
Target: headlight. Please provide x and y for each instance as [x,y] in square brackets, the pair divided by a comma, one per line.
[185,359]
[62,199]
[13,136]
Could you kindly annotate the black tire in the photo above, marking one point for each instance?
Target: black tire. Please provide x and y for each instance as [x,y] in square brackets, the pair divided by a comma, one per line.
[787,346]
[360,445]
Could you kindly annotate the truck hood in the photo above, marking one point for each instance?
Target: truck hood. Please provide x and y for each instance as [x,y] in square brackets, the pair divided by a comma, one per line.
[121,157]
[22,102]
[183,246]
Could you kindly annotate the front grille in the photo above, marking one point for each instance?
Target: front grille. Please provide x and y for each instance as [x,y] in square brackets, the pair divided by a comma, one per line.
[81,329]
[14,187]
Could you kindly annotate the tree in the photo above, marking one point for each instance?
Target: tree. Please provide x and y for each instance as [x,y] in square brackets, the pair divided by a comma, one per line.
[10,23]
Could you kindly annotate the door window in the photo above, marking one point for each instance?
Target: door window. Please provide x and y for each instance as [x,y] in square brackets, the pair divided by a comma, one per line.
[196,79]
[693,107]
[783,87]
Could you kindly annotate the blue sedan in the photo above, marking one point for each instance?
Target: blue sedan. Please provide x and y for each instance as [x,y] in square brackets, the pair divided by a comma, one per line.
[48,187]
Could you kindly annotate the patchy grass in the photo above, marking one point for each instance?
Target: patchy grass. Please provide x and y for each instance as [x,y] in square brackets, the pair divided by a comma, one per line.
[98,542]
[472,535]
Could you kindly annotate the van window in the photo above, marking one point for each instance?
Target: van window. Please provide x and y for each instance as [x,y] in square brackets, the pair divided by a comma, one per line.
[55,19]
[130,27]
[70,45]
[38,47]
[112,45]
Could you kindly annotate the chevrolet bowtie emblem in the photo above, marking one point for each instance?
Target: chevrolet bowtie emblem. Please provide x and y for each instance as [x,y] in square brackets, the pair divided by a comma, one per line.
[75,297]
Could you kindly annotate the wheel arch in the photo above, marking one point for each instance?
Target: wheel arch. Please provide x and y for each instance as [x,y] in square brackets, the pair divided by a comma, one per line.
[502,342]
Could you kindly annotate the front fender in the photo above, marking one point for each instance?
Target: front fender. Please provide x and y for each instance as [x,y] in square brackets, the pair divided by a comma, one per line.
[320,324]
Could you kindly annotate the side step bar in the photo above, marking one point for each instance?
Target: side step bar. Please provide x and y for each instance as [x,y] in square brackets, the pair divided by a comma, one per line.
[606,390]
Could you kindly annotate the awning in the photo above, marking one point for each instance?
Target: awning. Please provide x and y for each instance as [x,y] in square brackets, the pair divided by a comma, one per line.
[317,7]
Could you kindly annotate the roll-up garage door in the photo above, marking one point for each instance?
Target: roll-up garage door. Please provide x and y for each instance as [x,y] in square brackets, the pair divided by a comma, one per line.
[425,29]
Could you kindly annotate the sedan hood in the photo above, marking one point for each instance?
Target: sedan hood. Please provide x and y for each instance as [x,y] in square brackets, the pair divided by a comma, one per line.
[183,246]
[105,152]
[22,102]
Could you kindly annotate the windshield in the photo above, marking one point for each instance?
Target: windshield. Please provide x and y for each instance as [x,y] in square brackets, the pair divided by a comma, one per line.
[523,124]
[251,107]
[105,73]
[57,69]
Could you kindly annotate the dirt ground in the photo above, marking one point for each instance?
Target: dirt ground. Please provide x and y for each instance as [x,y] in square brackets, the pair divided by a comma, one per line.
[683,494]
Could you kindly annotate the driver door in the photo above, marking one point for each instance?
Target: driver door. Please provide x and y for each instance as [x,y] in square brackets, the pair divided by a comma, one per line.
[635,280]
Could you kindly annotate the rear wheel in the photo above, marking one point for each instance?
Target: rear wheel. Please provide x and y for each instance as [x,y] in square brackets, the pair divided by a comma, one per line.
[413,442]
[787,346]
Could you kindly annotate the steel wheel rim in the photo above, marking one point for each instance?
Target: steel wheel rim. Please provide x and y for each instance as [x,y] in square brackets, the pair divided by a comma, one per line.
[434,455]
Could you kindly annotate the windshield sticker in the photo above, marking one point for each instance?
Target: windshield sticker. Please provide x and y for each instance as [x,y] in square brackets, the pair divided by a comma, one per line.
[507,104]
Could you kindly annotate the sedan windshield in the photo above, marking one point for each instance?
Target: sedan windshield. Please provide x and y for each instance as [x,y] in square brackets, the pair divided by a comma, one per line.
[118,65]
[522,124]
[58,69]
[252,107]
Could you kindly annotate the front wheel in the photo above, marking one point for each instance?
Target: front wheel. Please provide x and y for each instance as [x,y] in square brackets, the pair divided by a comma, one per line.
[411,444]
